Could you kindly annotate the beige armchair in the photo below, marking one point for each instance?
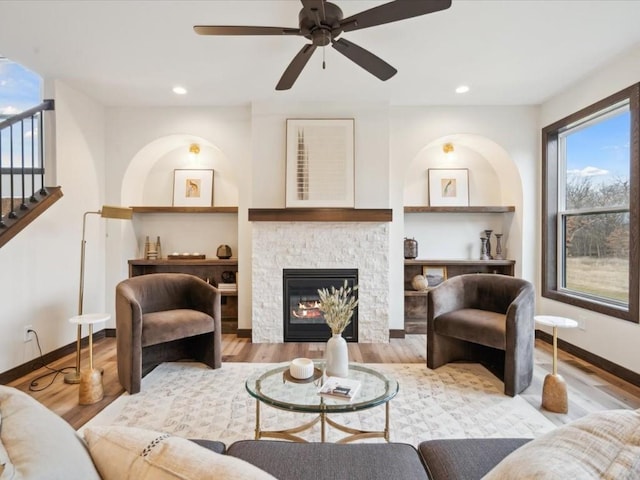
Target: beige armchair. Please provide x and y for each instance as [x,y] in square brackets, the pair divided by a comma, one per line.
[163,317]
[484,318]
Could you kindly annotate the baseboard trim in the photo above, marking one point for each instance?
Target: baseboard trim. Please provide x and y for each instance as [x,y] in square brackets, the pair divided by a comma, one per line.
[602,363]
[396,333]
[244,333]
[46,359]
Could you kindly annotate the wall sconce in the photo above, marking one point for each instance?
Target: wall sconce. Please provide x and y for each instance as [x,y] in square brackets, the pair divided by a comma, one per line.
[449,151]
[194,151]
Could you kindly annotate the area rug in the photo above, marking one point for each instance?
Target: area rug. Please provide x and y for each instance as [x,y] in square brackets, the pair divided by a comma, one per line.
[455,401]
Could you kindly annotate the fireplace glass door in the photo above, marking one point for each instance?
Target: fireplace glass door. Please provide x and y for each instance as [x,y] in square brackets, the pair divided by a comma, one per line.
[303,320]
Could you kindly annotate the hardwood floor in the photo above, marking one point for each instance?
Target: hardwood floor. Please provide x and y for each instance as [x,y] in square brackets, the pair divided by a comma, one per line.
[590,389]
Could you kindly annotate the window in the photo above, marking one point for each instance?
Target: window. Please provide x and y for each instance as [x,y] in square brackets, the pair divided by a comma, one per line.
[20,90]
[590,250]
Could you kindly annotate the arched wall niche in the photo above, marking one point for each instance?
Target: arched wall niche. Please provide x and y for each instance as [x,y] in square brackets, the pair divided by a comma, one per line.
[148,181]
[494,180]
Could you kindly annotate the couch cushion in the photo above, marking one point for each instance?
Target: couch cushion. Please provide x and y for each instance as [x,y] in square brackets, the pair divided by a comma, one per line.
[473,325]
[465,458]
[161,327]
[39,443]
[128,453]
[600,445]
[308,461]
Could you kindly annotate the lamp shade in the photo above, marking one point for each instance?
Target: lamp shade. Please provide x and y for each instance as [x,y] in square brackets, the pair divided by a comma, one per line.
[123,213]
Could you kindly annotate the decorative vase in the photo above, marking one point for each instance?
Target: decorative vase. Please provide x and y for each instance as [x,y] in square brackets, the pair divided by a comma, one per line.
[337,356]
[410,248]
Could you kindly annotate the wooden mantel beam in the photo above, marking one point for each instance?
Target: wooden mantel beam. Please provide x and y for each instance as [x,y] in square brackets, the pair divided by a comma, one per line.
[320,214]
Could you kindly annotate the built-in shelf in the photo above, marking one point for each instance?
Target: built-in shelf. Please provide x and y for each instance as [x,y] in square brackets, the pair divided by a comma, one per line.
[320,214]
[167,209]
[474,209]
[439,262]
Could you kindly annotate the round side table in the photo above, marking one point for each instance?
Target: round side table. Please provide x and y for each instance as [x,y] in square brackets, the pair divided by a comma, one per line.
[554,389]
[91,390]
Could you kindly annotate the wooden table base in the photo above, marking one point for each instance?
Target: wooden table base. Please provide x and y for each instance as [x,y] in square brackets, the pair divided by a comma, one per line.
[554,394]
[90,390]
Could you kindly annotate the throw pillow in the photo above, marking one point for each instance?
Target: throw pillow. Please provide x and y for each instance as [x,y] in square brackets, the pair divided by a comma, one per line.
[122,453]
[600,445]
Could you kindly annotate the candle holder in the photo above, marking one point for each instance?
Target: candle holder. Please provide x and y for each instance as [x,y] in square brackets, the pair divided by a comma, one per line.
[498,255]
[488,234]
[483,249]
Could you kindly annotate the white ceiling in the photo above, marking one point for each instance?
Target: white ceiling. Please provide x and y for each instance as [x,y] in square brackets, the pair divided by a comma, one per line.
[510,52]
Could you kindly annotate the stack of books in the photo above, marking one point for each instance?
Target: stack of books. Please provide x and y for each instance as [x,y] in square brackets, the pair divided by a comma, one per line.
[339,388]
[227,287]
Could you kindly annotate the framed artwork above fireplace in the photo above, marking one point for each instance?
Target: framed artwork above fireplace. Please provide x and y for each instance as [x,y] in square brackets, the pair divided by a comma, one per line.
[320,163]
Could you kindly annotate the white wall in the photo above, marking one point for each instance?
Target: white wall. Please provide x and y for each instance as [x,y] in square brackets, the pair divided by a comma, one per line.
[611,338]
[143,146]
[41,265]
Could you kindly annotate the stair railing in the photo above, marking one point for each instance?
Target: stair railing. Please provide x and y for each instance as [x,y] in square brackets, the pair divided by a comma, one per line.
[22,161]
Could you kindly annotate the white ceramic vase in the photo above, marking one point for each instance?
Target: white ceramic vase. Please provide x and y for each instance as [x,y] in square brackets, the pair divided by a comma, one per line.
[337,356]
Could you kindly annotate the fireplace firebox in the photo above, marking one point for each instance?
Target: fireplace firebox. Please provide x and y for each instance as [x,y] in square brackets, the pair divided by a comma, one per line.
[303,320]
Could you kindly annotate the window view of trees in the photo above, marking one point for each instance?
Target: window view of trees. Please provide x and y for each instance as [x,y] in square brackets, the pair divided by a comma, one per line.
[589,253]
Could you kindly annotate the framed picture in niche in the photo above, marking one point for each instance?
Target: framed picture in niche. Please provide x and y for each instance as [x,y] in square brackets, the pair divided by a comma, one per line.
[192,188]
[435,275]
[448,187]
[320,163]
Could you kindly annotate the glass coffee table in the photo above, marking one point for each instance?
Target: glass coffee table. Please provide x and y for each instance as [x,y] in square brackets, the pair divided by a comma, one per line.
[276,388]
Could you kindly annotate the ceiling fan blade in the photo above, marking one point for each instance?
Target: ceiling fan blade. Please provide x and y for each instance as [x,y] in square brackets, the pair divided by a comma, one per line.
[367,60]
[392,12]
[292,72]
[243,30]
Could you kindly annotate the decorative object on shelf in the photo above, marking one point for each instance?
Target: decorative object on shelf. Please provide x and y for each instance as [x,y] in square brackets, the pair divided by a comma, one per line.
[410,248]
[488,234]
[483,249]
[152,249]
[498,255]
[228,277]
[420,283]
[435,274]
[192,188]
[223,251]
[320,163]
[448,187]
[186,256]
[122,213]
[337,306]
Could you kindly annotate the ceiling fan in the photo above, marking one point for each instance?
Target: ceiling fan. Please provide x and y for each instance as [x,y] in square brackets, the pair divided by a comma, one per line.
[322,22]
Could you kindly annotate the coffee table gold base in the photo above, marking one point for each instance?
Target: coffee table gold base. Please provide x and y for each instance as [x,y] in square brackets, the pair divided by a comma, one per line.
[289,433]
[554,394]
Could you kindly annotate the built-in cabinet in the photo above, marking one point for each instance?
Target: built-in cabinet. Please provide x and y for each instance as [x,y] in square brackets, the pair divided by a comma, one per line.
[210,270]
[415,302]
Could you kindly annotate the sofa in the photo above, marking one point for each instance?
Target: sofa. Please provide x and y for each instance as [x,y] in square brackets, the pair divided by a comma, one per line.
[35,443]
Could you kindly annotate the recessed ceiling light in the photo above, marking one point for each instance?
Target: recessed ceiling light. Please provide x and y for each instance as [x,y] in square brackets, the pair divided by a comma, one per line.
[462,89]
[179,90]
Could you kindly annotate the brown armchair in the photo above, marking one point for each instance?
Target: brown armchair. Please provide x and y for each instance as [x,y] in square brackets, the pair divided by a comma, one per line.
[164,317]
[484,318]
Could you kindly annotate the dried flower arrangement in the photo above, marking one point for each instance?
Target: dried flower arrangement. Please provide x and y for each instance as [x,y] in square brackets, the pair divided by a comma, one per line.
[337,306]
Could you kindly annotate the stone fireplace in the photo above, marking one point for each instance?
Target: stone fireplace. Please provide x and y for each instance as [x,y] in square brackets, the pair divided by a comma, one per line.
[363,246]
[302,319]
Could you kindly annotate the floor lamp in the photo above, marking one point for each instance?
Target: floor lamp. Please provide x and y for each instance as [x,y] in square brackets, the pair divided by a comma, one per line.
[122,213]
